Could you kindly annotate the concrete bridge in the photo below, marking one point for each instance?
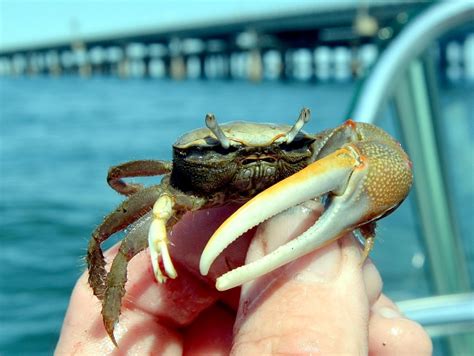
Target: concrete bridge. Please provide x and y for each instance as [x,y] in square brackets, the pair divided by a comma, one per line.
[283,46]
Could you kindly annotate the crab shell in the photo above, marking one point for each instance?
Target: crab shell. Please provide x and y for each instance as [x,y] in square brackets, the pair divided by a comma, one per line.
[239,133]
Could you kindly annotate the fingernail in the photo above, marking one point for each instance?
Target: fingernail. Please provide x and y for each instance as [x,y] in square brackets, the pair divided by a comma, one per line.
[309,206]
[388,313]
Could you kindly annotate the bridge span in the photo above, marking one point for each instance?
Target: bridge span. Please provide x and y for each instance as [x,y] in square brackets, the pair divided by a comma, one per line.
[251,47]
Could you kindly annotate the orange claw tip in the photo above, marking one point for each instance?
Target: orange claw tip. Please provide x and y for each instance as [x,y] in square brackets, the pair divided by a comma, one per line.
[350,123]
[363,163]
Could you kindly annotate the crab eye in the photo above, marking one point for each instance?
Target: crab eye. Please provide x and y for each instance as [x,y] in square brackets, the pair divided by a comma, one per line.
[205,151]
[211,141]
[300,142]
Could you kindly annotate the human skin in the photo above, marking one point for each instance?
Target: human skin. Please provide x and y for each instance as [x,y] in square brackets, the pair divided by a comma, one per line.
[323,303]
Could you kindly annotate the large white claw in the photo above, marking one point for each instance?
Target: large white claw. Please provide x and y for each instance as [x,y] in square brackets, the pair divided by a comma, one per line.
[335,173]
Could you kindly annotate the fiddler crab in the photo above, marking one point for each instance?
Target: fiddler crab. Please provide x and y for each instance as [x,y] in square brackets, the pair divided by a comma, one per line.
[361,171]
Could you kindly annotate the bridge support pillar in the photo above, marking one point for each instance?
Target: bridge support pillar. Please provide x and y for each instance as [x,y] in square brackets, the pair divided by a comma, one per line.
[53,63]
[55,70]
[289,64]
[85,70]
[226,65]
[254,65]
[177,67]
[5,65]
[146,66]
[113,65]
[123,68]
[32,64]
[166,63]
[202,66]
[106,67]
[284,68]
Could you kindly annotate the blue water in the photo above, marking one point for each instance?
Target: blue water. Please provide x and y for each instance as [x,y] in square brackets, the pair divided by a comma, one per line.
[58,138]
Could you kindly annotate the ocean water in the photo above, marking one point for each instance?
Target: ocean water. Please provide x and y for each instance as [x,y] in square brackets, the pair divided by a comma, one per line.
[60,135]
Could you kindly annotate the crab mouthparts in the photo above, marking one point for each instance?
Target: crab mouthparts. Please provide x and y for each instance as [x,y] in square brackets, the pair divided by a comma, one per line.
[259,158]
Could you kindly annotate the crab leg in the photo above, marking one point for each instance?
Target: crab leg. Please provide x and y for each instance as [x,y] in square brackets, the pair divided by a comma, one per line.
[142,168]
[347,175]
[368,233]
[167,210]
[135,241]
[125,214]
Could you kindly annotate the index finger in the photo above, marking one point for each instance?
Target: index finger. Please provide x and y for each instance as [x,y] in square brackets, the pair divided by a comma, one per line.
[151,310]
[317,303]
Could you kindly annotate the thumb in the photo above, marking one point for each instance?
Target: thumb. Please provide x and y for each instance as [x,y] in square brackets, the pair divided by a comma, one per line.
[317,303]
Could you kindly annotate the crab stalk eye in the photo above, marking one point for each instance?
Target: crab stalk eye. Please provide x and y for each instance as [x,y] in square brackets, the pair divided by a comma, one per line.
[304,117]
[212,125]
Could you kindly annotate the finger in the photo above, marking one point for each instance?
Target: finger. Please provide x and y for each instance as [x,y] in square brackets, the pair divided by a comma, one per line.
[167,306]
[83,333]
[191,235]
[173,304]
[372,281]
[210,333]
[390,333]
[180,300]
[318,303]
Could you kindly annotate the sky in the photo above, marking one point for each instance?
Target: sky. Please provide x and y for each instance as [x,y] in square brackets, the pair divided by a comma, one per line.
[26,22]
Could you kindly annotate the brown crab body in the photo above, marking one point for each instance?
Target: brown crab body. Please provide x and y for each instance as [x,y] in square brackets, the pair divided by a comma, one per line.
[241,174]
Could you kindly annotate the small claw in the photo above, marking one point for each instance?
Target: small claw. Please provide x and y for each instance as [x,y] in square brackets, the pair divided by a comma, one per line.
[158,239]
[329,174]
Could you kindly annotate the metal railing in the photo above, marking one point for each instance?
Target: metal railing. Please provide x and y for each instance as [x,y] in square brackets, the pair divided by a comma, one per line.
[403,73]
[442,315]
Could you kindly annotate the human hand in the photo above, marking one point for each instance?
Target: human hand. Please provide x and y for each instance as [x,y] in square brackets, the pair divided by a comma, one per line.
[321,303]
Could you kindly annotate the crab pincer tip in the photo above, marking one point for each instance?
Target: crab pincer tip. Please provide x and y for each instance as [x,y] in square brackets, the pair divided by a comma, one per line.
[112,337]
